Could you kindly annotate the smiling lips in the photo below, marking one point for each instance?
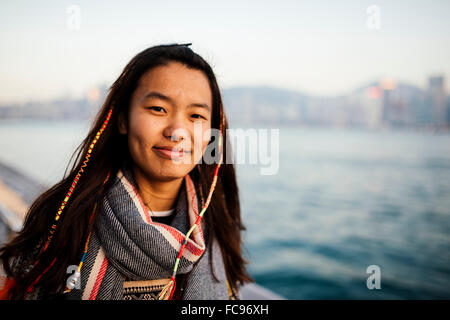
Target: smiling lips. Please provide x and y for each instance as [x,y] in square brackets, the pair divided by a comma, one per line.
[170,153]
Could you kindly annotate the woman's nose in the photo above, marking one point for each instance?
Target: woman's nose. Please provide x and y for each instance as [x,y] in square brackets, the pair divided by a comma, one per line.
[176,132]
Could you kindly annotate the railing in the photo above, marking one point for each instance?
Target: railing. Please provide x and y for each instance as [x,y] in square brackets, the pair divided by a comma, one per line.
[9,223]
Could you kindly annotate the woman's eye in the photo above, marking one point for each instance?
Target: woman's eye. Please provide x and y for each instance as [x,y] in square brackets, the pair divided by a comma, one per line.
[157,109]
[197,116]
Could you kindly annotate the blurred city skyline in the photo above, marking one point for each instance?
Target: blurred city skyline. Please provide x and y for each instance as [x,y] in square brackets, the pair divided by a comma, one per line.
[380,104]
[55,49]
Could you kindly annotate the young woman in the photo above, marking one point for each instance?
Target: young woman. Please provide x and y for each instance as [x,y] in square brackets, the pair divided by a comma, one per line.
[142,214]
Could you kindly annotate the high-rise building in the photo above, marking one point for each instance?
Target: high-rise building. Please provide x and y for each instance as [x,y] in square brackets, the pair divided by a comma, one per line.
[387,86]
[438,100]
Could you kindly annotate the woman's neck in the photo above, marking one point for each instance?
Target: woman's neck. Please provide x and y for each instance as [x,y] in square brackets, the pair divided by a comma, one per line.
[157,195]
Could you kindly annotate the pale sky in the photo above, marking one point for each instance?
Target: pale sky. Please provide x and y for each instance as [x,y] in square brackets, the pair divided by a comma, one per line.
[316,47]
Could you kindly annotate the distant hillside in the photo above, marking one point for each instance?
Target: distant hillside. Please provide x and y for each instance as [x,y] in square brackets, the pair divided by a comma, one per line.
[265,105]
[373,105]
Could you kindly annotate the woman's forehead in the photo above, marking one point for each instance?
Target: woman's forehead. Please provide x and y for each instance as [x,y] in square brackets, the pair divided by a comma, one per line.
[176,82]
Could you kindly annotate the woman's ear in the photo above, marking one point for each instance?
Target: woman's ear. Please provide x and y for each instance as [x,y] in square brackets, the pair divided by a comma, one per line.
[122,124]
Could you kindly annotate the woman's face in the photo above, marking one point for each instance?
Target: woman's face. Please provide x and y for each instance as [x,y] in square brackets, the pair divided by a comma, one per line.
[164,108]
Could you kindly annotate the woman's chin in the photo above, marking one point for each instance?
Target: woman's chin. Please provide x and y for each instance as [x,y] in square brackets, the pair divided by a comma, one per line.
[172,171]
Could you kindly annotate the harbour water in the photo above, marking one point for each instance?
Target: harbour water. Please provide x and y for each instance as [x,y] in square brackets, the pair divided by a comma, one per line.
[342,200]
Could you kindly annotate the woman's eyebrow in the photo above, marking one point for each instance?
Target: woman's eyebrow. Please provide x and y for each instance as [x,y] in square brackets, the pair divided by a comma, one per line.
[159,95]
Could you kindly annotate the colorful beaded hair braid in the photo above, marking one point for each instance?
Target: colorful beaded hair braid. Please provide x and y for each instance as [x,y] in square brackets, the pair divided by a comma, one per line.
[66,199]
[73,279]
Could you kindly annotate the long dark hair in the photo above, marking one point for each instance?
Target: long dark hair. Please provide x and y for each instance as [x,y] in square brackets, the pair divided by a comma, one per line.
[223,218]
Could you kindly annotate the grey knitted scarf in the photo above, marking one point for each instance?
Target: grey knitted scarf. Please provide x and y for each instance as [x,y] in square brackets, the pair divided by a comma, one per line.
[126,243]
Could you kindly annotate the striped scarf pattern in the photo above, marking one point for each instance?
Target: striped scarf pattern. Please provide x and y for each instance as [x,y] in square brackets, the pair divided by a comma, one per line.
[126,243]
